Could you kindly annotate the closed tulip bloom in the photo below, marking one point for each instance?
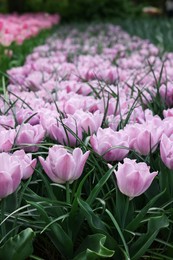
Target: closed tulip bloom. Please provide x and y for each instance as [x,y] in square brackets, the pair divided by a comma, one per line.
[143,138]
[29,136]
[59,132]
[6,122]
[7,140]
[10,175]
[88,121]
[27,165]
[133,178]
[62,166]
[166,150]
[23,115]
[113,146]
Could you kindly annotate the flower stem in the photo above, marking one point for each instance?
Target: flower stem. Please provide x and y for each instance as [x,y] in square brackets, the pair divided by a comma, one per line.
[67,192]
[126,207]
[3,205]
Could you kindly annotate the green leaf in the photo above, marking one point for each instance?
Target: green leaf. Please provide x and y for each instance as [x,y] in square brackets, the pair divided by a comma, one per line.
[18,247]
[94,220]
[140,246]
[93,248]
[99,186]
[134,224]
[120,233]
[57,234]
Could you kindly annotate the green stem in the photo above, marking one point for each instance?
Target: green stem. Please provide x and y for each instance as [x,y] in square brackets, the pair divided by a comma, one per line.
[3,205]
[126,208]
[67,192]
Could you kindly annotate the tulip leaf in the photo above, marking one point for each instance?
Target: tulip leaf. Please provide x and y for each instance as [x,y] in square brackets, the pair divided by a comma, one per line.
[93,248]
[141,245]
[134,224]
[99,186]
[94,221]
[56,233]
[18,247]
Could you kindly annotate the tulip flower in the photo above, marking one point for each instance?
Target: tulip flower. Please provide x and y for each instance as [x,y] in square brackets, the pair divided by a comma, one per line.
[10,176]
[29,136]
[166,150]
[113,146]
[27,165]
[62,166]
[133,178]
[144,138]
[88,121]
[7,138]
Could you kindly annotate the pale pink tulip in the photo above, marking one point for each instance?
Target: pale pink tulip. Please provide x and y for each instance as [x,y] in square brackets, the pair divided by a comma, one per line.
[10,176]
[27,165]
[7,138]
[62,166]
[133,178]
[113,146]
[166,150]
[29,137]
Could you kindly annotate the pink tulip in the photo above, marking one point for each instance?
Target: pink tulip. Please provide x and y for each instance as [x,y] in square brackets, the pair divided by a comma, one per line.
[89,122]
[133,178]
[166,93]
[59,132]
[23,115]
[143,138]
[27,165]
[7,122]
[113,146]
[7,138]
[10,176]
[62,166]
[29,137]
[166,150]
[168,113]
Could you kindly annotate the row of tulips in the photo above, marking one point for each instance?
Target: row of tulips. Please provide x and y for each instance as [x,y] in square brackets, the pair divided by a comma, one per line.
[96,101]
[17,28]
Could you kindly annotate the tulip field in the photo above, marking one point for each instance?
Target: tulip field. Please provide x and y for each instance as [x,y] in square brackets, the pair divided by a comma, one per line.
[86,147]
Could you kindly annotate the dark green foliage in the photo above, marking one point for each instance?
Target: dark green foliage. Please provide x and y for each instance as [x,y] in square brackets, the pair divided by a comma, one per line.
[79,9]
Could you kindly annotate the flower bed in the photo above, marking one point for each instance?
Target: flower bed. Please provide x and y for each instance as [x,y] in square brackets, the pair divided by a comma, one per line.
[86,148]
[17,28]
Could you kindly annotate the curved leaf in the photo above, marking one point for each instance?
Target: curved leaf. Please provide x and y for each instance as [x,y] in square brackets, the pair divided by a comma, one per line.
[93,248]
[18,247]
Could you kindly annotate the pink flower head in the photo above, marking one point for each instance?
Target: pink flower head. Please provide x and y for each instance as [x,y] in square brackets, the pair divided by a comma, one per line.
[62,166]
[133,178]
[27,115]
[7,122]
[113,146]
[143,138]
[88,121]
[166,92]
[60,131]
[29,136]
[27,165]
[166,150]
[7,138]
[10,175]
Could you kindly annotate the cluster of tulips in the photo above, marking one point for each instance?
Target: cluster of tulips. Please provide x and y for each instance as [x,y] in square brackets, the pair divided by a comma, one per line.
[93,89]
[91,94]
[17,28]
